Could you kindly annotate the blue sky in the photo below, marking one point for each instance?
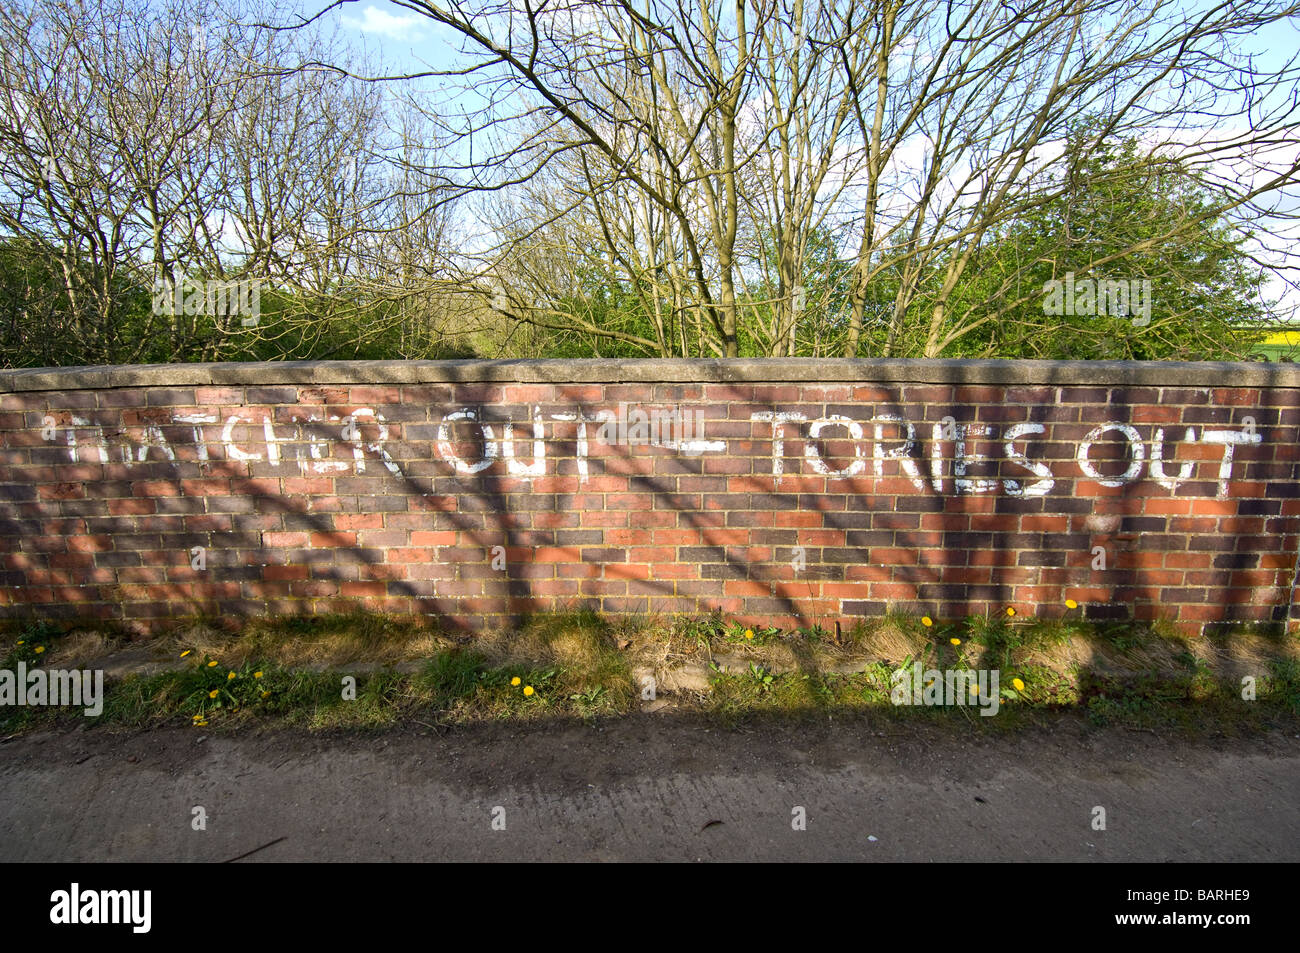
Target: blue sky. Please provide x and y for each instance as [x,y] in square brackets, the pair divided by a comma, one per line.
[407,40]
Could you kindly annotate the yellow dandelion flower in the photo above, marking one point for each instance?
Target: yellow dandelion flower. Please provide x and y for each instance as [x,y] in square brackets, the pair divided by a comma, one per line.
[749,633]
[22,641]
[212,664]
[213,693]
[514,682]
[1018,685]
[926,621]
[266,694]
[229,676]
[1010,611]
[1071,604]
[528,690]
[201,724]
[40,649]
[955,641]
[186,652]
[257,674]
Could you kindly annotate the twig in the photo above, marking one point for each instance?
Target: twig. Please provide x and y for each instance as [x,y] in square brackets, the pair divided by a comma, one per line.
[255,850]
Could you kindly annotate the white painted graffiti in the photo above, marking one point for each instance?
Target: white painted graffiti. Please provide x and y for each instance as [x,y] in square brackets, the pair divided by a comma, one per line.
[883,443]
[960,437]
[310,447]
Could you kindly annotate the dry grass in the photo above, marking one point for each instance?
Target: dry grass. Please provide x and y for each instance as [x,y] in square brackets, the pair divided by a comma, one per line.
[1082,653]
[572,640]
[1247,653]
[891,639]
[79,648]
[320,643]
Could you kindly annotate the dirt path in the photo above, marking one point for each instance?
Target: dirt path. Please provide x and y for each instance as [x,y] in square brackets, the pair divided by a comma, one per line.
[651,787]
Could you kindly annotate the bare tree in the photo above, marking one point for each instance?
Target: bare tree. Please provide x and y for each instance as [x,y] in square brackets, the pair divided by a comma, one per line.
[142,146]
[105,155]
[917,130]
[989,97]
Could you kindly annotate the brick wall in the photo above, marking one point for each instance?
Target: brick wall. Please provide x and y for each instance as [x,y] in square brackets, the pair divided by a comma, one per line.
[789,491]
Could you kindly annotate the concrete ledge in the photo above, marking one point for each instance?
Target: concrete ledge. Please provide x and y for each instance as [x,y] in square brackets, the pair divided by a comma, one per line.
[829,370]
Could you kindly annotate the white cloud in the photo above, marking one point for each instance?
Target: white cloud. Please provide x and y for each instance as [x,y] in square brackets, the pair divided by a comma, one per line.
[375,20]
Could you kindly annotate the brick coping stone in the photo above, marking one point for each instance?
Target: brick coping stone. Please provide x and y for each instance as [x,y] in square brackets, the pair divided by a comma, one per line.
[723,370]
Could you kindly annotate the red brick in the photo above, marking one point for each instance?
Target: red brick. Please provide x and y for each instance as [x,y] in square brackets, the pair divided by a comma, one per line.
[619,539]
